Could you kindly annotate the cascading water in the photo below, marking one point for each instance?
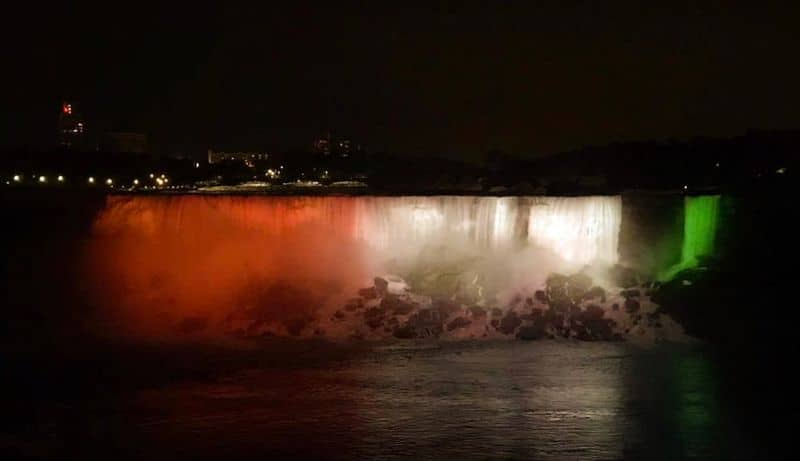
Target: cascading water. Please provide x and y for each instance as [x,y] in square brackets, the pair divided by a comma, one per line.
[581,230]
[390,223]
[174,257]
[701,216]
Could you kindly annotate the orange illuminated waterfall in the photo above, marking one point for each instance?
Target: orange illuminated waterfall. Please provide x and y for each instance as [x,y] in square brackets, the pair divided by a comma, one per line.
[157,261]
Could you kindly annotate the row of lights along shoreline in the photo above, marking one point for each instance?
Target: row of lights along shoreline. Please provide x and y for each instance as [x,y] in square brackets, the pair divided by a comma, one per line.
[160,181]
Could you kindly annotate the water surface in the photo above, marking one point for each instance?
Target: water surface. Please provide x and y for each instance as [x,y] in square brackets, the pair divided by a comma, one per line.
[466,400]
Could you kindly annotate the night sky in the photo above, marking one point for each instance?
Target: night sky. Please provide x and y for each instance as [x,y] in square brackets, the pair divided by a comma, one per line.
[530,79]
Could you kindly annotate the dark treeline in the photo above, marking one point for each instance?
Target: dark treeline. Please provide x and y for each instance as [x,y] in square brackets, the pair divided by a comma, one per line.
[698,164]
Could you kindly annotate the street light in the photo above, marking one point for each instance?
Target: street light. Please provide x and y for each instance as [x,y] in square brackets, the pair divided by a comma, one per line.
[91,180]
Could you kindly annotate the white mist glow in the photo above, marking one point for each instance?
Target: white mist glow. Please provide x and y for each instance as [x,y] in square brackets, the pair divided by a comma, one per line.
[400,223]
[581,230]
[218,254]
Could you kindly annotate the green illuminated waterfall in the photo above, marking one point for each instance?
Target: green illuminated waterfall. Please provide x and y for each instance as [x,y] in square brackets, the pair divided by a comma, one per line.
[701,215]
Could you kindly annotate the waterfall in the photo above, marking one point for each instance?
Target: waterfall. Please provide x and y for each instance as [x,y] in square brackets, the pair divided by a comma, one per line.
[701,215]
[173,257]
[581,230]
[386,222]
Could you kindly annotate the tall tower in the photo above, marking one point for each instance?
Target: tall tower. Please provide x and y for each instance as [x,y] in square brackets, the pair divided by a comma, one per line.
[71,129]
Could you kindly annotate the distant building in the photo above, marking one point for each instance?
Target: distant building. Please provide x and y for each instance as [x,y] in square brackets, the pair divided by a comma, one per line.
[124,142]
[322,145]
[248,158]
[344,147]
[71,128]
[341,146]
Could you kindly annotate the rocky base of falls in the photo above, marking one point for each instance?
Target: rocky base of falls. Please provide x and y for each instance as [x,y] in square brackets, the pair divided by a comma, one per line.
[567,306]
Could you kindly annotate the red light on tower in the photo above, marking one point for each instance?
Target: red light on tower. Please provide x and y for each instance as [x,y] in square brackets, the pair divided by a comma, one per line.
[67,108]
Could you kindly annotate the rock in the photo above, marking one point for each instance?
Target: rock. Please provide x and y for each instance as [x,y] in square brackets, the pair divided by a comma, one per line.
[526,318]
[374,323]
[297,325]
[632,293]
[368,293]
[354,304]
[458,322]
[405,332]
[381,286]
[556,286]
[254,328]
[624,277]
[541,296]
[529,302]
[372,313]
[495,324]
[593,312]
[446,308]
[578,285]
[532,332]
[596,292]
[404,308]
[359,336]
[425,323]
[428,316]
[497,312]
[339,315]
[396,304]
[631,305]
[191,325]
[396,285]
[580,332]
[477,311]
[389,302]
[561,306]
[615,307]
[653,319]
[549,316]
[509,323]
[600,329]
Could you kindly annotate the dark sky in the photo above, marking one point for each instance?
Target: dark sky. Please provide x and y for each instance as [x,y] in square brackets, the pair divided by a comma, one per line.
[528,78]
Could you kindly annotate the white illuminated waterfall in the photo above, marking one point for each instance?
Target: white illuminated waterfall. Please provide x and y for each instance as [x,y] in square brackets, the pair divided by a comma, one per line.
[485,221]
[579,229]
